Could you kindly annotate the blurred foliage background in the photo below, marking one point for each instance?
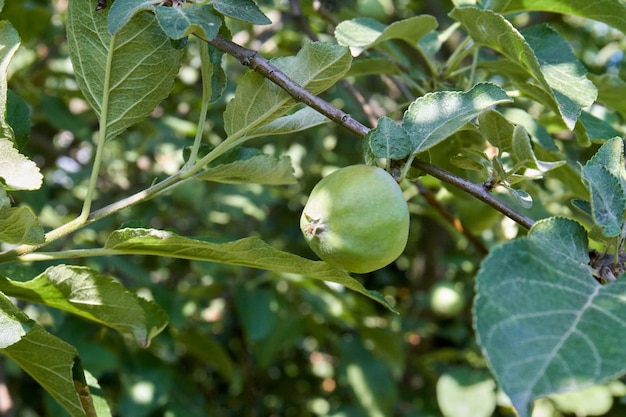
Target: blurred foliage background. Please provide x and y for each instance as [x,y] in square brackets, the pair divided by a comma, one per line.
[244,342]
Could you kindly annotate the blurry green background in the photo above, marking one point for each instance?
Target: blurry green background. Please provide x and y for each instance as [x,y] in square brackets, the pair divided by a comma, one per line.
[245,342]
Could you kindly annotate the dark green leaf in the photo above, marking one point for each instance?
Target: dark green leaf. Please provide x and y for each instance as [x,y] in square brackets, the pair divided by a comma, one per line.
[49,360]
[250,252]
[259,169]
[18,117]
[432,118]
[611,12]
[213,75]
[117,73]
[611,91]
[245,10]
[18,224]
[10,41]
[121,11]
[86,293]
[179,22]
[388,140]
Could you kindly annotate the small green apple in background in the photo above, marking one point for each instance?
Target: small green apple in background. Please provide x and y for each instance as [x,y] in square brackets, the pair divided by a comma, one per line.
[356,219]
[446,299]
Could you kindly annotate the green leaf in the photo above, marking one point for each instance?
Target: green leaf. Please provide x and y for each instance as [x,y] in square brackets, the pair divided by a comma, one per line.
[213,75]
[546,57]
[121,11]
[18,117]
[300,120]
[245,10]
[204,347]
[372,66]
[317,66]
[9,42]
[178,22]
[565,75]
[605,178]
[522,152]
[611,12]
[116,73]
[497,130]
[611,91]
[388,140]
[50,361]
[17,171]
[363,32]
[432,118]
[521,197]
[249,252]
[88,294]
[595,128]
[544,323]
[19,224]
[258,169]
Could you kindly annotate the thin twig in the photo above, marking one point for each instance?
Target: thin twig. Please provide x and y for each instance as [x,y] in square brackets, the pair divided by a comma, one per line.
[262,66]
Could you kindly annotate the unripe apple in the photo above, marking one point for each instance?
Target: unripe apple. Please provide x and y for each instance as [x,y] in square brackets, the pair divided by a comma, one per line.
[356,219]
[446,299]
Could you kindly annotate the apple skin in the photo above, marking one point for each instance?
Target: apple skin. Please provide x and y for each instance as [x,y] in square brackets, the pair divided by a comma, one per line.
[356,219]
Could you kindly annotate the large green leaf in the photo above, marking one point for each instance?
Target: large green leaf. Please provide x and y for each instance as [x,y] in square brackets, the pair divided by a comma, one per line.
[258,101]
[546,57]
[544,323]
[611,12]
[433,117]
[122,76]
[49,360]
[86,293]
[250,252]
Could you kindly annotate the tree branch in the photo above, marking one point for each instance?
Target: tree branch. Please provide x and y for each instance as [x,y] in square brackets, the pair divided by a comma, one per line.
[262,66]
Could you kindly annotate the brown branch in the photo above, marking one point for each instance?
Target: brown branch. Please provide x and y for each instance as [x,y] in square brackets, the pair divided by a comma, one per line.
[262,66]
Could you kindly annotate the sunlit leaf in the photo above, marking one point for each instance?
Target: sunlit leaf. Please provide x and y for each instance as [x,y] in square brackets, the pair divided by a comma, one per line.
[545,56]
[544,323]
[17,171]
[611,91]
[89,294]
[363,32]
[250,252]
[432,118]
[122,76]
[258,101]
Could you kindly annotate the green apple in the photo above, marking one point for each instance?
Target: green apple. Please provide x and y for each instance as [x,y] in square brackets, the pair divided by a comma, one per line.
[446,299]
[356,219]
